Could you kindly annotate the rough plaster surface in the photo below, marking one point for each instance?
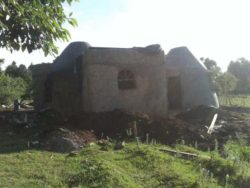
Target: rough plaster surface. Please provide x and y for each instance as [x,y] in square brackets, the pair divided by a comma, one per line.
[66,93]
[103,93]
[194,78]
[39,75]
[90,83]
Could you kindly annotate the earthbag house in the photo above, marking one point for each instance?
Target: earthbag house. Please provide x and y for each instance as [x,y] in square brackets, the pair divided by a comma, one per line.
[138,80]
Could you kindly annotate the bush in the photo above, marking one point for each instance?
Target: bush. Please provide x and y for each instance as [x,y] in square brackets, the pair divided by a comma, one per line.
[11,89]
[89,173]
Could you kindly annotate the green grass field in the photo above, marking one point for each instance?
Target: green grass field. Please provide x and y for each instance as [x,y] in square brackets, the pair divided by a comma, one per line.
[235,100]
[133,166]
[137,165]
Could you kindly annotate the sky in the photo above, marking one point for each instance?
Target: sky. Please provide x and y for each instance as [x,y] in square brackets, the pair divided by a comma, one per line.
[217,29]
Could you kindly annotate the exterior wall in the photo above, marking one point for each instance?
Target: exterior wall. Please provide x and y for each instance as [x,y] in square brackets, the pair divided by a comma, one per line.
[195,88]
[90,83]
[60,90]
[66,93]
[195,85]
[101,92]
[39,76]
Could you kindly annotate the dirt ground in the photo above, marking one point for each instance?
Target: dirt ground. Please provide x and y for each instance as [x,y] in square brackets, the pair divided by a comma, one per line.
[190,127]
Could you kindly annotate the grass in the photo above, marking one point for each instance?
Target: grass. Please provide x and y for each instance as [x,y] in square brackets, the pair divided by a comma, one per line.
[134,166]
[235,100]
[31,169]
[137,165]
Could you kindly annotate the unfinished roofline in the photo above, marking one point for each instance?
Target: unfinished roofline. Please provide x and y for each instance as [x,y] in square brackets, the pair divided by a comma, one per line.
[109,48]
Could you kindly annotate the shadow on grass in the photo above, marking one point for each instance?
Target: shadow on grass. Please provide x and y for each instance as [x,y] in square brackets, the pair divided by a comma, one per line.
[18,130]
[14,140]
[237,109]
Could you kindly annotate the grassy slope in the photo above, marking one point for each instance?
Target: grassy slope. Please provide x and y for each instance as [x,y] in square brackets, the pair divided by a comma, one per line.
[133,166]
[235,100]
[130,167]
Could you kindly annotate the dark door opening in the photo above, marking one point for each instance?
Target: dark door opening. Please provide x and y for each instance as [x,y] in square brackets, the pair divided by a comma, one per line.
[174,93]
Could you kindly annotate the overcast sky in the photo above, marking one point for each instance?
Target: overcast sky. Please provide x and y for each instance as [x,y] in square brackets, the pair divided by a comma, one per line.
[218,29]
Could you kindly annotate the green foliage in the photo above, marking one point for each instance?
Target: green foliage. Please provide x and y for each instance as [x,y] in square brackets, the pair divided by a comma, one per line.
[226,83]
[235,100]
[237,151]
[1,62]
[32,25]
[11,88]
[241,70]
[14,71]
[15,83]
[213,72]
[222,83]
[210,64]
[220,167]
[89,173]
[131,166]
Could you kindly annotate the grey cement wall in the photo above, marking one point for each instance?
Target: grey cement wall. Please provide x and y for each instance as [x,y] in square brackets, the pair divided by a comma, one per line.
[89,82]
[40,73]
[100,85]
[66,93]
[195,85]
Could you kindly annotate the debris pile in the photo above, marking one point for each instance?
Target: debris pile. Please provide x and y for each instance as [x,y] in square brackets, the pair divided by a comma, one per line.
[228,125]
[192,127]
[65,140]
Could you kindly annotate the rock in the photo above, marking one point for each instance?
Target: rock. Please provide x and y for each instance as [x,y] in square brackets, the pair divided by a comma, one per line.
[73,153]
[64,140]
[61,144]
[119,145]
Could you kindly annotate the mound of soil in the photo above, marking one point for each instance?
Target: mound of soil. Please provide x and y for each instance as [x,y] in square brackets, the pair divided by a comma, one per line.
[65,140]
[190,127]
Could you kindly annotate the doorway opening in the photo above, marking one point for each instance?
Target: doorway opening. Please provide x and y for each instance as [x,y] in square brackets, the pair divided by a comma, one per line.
[174,93]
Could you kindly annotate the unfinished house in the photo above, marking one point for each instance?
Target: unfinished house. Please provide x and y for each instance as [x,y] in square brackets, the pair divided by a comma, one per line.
[139,80]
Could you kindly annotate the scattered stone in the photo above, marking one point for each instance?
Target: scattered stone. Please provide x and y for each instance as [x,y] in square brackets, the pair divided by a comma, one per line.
[119,145]
[73,153]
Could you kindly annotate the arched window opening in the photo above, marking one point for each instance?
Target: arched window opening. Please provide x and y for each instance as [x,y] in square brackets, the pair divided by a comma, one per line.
[126,80]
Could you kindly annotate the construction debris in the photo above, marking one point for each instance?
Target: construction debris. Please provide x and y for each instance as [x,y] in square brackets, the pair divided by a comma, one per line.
[186,154]
[211,127]
[200,126]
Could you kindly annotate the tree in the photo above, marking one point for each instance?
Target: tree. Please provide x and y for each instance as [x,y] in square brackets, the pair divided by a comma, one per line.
[226,83]
[1,62]
[214,71]
[34,24]
[209,63]
[241,70]
[11,89]
[12,70]
[18,71]
[21,72]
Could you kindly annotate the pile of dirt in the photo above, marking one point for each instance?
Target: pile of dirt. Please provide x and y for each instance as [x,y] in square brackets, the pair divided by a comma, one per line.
[117,124]
[230,123]
[190,127]
[65,140]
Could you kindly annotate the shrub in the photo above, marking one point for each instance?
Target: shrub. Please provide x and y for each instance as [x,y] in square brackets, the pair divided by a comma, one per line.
[11,89]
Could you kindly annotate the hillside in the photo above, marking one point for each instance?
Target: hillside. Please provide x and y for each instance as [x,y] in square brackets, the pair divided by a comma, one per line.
[138,163]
